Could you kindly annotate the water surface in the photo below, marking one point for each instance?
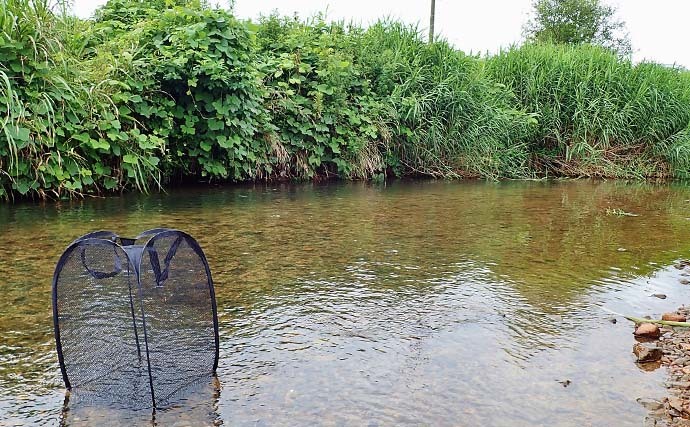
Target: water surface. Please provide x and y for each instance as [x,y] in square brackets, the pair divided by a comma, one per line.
[412,303]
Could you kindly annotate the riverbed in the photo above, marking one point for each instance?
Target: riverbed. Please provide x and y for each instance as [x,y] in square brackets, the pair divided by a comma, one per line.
[406,303]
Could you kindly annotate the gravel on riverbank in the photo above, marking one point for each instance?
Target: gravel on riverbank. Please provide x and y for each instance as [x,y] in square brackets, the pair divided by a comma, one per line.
[673,410]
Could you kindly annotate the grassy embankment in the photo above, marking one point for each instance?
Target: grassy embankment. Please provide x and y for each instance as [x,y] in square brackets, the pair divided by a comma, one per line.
[147,94]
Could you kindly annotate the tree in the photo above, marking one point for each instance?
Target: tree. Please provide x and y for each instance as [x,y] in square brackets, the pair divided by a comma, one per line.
[577,22]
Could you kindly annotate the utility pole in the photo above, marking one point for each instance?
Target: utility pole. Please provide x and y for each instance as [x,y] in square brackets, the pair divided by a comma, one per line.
[431,21]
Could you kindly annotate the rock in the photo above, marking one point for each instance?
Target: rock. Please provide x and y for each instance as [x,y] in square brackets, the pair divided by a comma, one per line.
[648,330]
[681,361]
[682,264]
[660,296]
[650,404]
[646,352]
[673,317]
[676,403]
[685,385]
[684,281]
[613,320]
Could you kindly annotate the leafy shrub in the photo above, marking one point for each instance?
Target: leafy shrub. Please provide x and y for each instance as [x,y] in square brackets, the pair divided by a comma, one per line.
[323,109]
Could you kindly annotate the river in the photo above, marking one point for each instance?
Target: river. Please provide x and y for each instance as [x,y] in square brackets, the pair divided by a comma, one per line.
[410,303]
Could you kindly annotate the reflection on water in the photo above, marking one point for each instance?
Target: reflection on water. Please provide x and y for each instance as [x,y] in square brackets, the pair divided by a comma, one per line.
[413,303]
[199,407]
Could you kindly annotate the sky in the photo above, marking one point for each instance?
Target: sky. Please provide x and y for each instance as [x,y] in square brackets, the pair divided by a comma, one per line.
[658,29]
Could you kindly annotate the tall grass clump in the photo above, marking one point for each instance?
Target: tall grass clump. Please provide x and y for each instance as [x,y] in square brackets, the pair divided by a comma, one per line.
[445,117]
[598,114]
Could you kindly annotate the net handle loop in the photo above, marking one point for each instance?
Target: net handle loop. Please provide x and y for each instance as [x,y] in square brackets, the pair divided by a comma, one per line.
[117,265]
[161,275]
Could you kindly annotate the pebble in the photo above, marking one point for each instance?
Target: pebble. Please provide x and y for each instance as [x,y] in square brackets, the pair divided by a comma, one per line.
[650,404]
[676,403]
[646,352]
[648,330]
[673,317]
[685,385]
[681,361]
[675,346]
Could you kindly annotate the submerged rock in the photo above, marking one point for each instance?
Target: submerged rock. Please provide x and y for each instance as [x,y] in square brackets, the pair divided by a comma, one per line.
[673,317]
[650,404]
[647,330]
[682,264]
[646,352]
[680,405]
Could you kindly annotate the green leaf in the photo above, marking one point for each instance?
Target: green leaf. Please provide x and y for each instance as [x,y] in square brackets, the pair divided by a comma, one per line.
[206,146]
[100,144]
[130,158]
[22,186]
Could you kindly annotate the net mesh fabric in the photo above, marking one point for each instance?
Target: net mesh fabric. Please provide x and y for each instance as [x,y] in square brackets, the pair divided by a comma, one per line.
[107,320]
[97,329]
[182,355]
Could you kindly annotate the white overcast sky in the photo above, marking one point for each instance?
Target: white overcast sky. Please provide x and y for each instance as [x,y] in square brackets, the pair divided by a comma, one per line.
[659,29]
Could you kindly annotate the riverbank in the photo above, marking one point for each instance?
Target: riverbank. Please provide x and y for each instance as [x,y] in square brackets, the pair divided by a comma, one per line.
[147,95]
[673,410]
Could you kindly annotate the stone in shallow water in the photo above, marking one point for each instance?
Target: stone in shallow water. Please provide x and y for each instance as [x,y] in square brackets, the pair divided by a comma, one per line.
[673,317]
[646,352]
[650,404]
[648,330]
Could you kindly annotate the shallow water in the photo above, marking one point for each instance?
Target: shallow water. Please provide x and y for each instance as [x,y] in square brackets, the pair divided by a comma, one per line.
[414,303]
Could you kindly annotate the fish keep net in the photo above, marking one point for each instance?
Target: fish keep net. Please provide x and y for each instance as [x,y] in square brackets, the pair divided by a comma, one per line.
[135,319]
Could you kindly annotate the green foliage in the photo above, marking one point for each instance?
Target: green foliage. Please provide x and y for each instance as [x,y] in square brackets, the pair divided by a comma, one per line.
[190,85]
[444,116]
[150,93]
[62,134]
[599,115]
[577,22]
[324,112]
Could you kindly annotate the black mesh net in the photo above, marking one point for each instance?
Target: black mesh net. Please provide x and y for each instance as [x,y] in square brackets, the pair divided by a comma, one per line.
[135,319]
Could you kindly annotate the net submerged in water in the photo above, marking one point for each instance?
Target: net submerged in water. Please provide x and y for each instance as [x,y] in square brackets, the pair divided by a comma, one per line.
[136,323]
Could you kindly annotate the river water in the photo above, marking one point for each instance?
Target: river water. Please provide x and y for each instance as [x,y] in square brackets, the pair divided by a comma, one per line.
[412,303]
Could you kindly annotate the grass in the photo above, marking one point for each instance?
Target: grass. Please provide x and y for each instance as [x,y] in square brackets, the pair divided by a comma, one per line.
[600,115]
